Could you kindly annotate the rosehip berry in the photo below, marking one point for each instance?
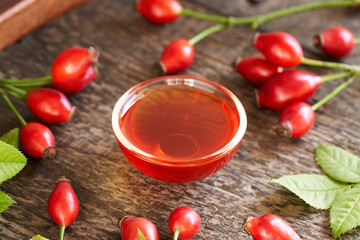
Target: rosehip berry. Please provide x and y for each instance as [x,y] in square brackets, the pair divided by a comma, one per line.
[296,120]
[287,87]
[49,105]
[131,227]
[256,70]
[63,204]
[159,11]
[270,227]
[184,223]
[37,141]
[177,56]
[336,41]
[280,48]
[73,69]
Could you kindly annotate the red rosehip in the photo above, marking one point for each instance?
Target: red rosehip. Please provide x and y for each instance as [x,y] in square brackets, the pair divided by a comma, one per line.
[63,204]
[270,227]
[177,56]
[73,69]
[336,41]
[49,105]
[159,11]
[256,70]
[280,48]
[130,227]
[37,141]
[296,120]
[287,87]
[184,223]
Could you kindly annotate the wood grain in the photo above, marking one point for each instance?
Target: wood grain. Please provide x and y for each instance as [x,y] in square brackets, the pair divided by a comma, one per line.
[109,187]
[18,18]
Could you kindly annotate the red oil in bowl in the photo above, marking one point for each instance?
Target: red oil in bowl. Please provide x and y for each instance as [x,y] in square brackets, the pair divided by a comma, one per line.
[179,128]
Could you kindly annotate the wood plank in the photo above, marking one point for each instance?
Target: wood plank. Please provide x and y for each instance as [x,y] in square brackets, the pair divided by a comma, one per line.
[19,18]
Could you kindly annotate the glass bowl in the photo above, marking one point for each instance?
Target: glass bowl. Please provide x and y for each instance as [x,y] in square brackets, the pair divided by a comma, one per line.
[179,128]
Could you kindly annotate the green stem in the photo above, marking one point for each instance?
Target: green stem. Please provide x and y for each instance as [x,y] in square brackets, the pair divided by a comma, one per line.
[62,232]
[319,63]
[328,78]
[256,21]
[203,16]
[261,19]
[176,234]
[33,82]
[198,37]
[338,89]
[17,92]
[12,108]
[357,41]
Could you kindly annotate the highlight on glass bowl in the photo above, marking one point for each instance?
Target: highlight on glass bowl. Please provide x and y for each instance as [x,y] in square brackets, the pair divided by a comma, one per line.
[179,128]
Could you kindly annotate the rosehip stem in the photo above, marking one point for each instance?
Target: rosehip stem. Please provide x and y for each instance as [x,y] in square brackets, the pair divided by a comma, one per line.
[255,21]
[17,92]
[176,234]
[328,78]
[12,108]
[198,37]
[357,41]
[319,63]
[261,19]
[332,94]
[62,232]
[33,82]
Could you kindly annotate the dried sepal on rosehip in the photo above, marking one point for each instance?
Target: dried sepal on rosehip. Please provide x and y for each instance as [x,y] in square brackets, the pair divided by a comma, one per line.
[336,41]
[73,69]
[63,205]
[38,141]
[296,120]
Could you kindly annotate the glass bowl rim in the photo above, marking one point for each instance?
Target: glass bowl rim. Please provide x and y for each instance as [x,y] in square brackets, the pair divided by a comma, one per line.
[195,161]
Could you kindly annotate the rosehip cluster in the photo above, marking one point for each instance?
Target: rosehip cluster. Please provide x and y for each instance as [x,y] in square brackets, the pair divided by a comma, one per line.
[286,90]
[184,223]
[278,88]
[72,70]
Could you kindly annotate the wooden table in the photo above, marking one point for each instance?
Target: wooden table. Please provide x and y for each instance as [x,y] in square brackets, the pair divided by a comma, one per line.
[109,187]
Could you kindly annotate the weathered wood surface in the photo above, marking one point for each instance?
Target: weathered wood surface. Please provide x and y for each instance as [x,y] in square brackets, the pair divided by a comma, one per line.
[109,187]
[17,18]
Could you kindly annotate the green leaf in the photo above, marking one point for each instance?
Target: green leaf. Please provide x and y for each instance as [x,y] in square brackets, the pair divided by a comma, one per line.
[141,235]
[11,161]
[317,190]
[11,137]
[5,201]
[38,237]
[338,163]
[345,211]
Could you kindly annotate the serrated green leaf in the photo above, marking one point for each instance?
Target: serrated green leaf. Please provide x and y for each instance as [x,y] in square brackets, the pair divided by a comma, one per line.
[316,190]
[141,235]
[11,137]
[338,163]
[11,161]
[5,201]
[345,211]
[38,237]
